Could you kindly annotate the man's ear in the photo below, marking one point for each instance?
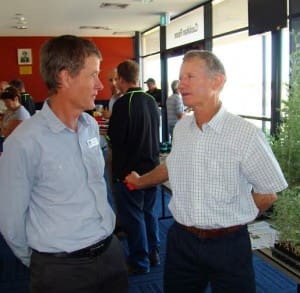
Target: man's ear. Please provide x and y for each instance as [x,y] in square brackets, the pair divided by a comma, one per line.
[219,80]
[120,79]
[65,78]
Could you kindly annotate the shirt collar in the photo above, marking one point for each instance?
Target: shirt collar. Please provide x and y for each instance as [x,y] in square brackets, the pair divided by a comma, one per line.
[132,89]
[55,124]
[217,120]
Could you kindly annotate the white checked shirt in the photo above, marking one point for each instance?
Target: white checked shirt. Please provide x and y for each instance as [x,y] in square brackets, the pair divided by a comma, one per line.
[212,171]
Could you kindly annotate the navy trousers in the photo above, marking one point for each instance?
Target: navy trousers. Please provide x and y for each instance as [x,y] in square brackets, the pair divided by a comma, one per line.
[223,262]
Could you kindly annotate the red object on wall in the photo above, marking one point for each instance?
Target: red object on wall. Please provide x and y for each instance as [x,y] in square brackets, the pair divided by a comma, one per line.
[113,50]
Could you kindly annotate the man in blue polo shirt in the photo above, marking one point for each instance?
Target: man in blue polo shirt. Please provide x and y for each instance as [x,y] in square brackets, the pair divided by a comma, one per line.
[54,212]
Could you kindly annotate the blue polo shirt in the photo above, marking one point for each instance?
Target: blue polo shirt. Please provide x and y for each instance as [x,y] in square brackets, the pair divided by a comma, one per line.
[53,193]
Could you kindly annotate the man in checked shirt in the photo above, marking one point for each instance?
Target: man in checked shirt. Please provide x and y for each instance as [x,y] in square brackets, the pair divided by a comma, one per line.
[222,174]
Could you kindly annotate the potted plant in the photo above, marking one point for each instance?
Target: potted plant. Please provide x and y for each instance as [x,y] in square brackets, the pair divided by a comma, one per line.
[286,147]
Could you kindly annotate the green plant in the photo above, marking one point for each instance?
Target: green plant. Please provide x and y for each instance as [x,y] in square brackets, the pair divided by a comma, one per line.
[286,147]
[286,216]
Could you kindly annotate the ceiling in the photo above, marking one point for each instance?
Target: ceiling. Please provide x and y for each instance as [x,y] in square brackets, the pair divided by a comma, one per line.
[57,17]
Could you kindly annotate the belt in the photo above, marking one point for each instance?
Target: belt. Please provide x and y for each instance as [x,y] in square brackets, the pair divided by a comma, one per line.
[211,233]
[90,251]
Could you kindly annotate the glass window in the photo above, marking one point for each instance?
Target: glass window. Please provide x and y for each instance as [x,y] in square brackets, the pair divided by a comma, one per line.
[151,68]
[151,41]
[229,15]
[265,126]
[174,64]
[285,67]
[248,88]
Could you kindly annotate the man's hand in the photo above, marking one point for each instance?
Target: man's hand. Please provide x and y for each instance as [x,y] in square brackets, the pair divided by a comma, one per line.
[156,176]
[264,201]
[106,113]
[132,180]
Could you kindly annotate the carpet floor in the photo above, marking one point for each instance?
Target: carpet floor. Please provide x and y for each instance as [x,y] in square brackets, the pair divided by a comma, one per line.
[268,279]
[14,276]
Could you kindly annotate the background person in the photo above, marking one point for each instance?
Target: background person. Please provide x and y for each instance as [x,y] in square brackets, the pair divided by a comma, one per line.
[3,85]
[25,98]
[134,137]
[154,91]
[115,92]
[175,108]
[54,212]
[15,113]
[222,174]
[115,95]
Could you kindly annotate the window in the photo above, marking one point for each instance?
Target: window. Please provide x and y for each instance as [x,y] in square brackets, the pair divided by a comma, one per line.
[174,64]
[285,67]
[151,67]
[248,86]
[151,41]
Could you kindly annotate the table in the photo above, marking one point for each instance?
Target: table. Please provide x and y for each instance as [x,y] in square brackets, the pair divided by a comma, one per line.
[266,254]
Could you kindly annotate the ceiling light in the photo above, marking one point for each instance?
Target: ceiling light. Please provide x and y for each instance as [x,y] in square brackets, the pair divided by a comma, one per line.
[95,27]
[113,5]
[128,33]
[143,1]
[21,22]
[20,27]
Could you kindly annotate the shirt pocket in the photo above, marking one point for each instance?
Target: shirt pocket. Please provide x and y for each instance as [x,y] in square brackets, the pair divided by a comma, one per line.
[94,164]
[222,180]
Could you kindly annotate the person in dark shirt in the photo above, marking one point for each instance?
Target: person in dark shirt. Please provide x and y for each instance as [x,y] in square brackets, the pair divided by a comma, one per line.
[134,136]
[25,98]
[153,90]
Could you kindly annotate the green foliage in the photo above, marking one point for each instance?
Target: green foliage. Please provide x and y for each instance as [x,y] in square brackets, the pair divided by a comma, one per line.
[287,145]
[286,216]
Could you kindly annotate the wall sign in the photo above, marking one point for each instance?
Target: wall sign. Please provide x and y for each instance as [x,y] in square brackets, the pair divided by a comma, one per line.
[186,29]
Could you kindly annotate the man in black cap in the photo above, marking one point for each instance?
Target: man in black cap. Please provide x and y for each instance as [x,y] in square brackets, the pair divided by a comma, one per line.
[153,90]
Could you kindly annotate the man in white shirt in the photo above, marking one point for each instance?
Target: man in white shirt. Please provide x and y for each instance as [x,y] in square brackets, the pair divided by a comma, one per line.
[223,174]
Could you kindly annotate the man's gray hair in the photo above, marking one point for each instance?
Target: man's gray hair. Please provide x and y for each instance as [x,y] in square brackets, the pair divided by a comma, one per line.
[174,86]
[213,63]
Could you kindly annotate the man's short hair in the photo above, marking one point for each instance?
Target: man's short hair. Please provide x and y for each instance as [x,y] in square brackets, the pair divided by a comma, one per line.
[129,70]
[174,85]
[64,52]
[17,83]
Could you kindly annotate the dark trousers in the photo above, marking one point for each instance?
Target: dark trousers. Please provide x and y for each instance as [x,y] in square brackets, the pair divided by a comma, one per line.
[223,262]
[105,273]
[140,220]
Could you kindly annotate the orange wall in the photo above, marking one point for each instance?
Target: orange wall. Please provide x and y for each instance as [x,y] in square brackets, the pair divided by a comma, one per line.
[113,50]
